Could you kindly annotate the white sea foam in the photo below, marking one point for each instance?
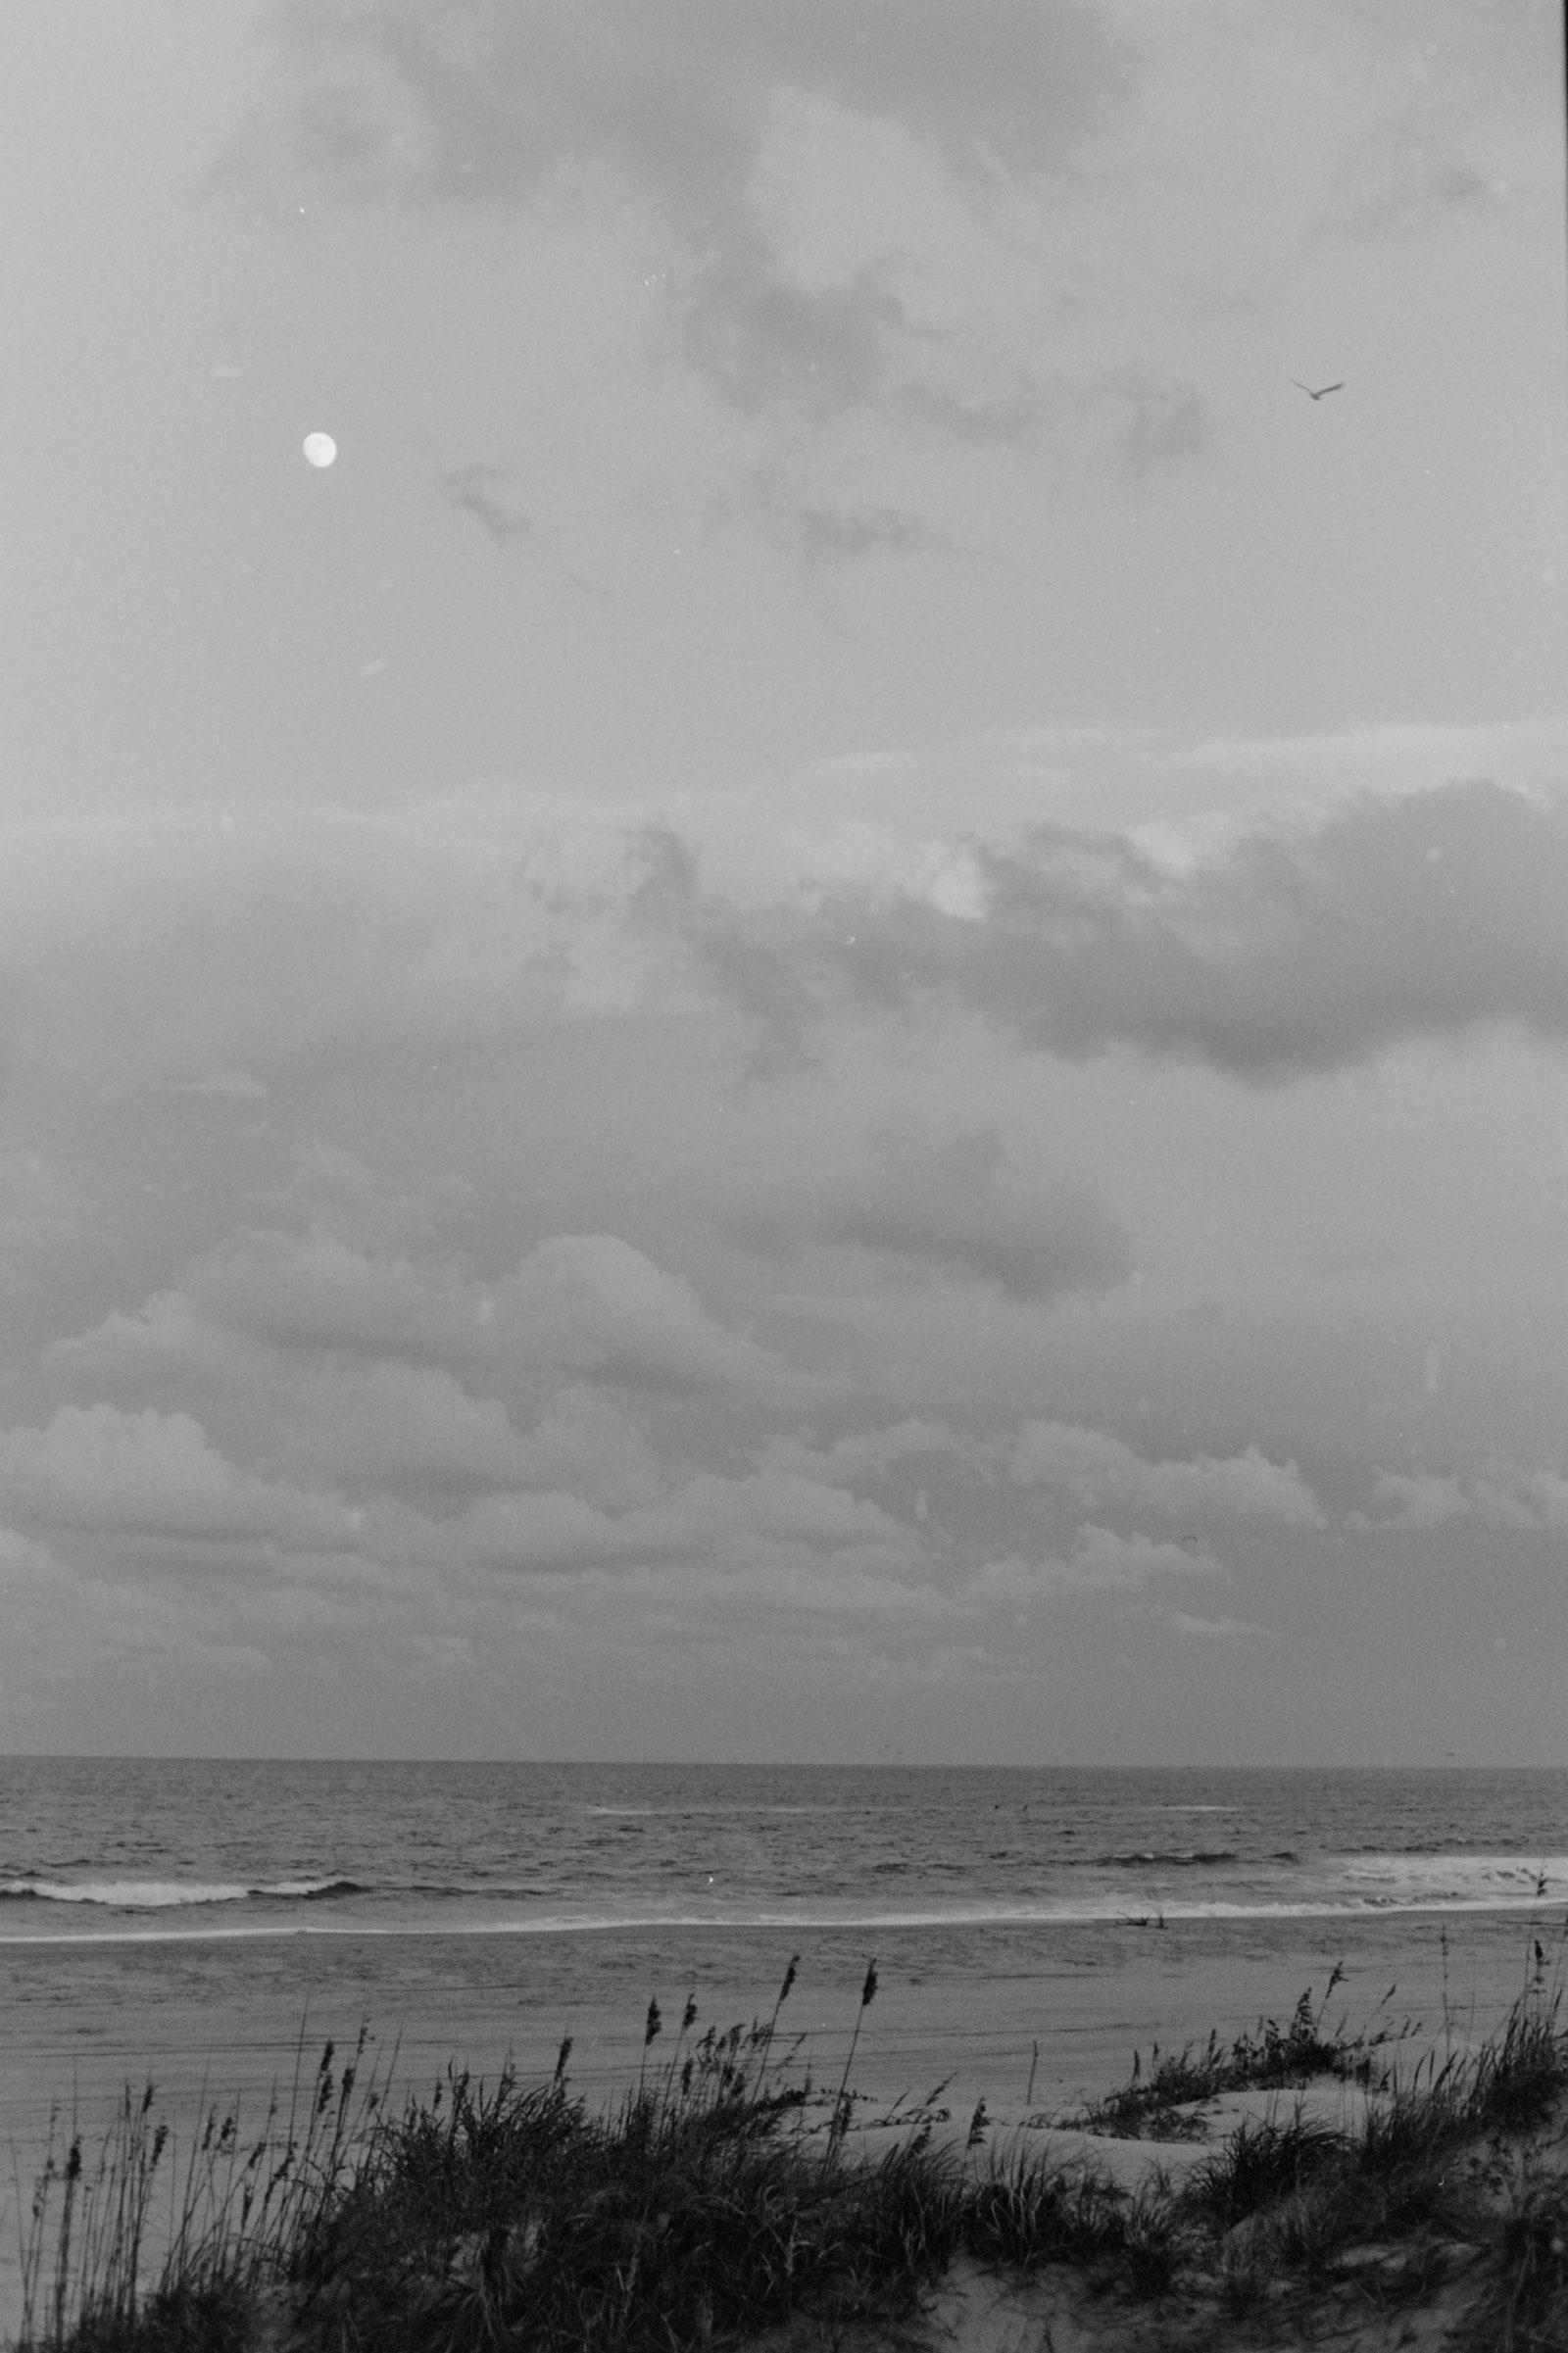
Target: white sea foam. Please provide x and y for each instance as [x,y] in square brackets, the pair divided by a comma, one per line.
[1509,1886]
[1458,1878]
[159,1894]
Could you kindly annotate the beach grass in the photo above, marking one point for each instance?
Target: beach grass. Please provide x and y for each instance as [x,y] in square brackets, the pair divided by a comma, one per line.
[726,2194]
[1155,2103]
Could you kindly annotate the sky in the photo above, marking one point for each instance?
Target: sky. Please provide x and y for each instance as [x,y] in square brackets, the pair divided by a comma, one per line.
[824,1017]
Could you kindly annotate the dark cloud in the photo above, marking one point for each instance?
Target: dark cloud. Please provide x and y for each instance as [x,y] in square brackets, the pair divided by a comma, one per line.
[766,341]
[1001,82]
[1297,947]
[488,102]
[843,534]
[930,1208]
[815,533]
[1413,196]
[471,490]
[486,98]
[761,337]
[1140,419]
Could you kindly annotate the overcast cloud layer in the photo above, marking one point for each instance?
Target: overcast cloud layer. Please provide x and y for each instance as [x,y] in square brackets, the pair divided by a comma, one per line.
[826,1016]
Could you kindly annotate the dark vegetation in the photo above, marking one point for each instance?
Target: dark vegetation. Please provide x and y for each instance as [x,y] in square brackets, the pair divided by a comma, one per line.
[726,2194]
[1156,2106]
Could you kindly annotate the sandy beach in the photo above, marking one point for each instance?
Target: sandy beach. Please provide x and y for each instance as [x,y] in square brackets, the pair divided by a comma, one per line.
[1033,2026]
[86,2018]
[1364,2179]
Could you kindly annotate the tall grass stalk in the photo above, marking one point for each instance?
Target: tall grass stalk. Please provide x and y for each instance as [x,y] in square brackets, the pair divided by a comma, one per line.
[841,2105]
[236,2208]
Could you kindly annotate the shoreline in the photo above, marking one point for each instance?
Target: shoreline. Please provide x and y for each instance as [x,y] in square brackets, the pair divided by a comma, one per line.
[786,1923]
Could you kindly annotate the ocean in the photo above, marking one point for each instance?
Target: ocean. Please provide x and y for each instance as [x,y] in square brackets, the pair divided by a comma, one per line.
[195,1922]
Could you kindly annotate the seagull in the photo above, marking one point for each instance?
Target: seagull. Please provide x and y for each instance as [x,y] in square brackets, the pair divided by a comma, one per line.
[1322,391]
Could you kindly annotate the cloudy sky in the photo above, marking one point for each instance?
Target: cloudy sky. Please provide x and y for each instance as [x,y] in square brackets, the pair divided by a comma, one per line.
[827,1016]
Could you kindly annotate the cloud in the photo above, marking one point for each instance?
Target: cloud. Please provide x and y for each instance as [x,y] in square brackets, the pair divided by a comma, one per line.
[28,1569]
[1140,419]
[1516,1497]
[814,534]
[546,1532]
[1425,1501]
[166,1339]
[763,339]
[397,1426]
[849,534]
[929,1208]
[587,1304]
[700,114]
[313,1291]
[608,1312]
[98,1469]
[1295,947]
[152,957]
[870,1455]
[1453,144]
[471,490]
[403,1430]
[588,1444]
[1500,1493]
[1094,1472]
[741,1522]
[1214,1630]
[333,1190]
[1099,1562]
[472,101]
[155,951]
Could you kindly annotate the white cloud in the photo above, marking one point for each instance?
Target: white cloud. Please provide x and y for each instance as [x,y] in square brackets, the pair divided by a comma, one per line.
[26,1565]
[1503,1493]
[1099,1562]
[152,953]
[870,1454]
[929,1207]
[1519,1498]
[313,1291]
[395,1425]
[605,1309]
[1094,1471]
[153,1474]
[1424,1501]
[588,1444]
[168,1339]
[1214,1630]
[549,1532]
[708,1518]
[583,1304]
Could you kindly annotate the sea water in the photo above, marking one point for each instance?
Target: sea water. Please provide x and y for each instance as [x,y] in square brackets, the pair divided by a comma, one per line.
[205,1924]
[115,1850]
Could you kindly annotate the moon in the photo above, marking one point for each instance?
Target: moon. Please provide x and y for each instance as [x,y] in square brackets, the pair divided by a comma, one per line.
[319,449]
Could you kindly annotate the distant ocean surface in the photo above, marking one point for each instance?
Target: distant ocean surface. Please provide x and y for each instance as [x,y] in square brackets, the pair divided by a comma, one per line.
[196,1924]
[116,1851]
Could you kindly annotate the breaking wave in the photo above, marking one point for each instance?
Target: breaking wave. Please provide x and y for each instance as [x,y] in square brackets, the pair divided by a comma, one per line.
[1185,1858]
[169,1895]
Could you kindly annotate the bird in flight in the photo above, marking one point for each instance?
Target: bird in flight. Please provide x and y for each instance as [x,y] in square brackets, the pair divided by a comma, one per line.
[1322,391]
